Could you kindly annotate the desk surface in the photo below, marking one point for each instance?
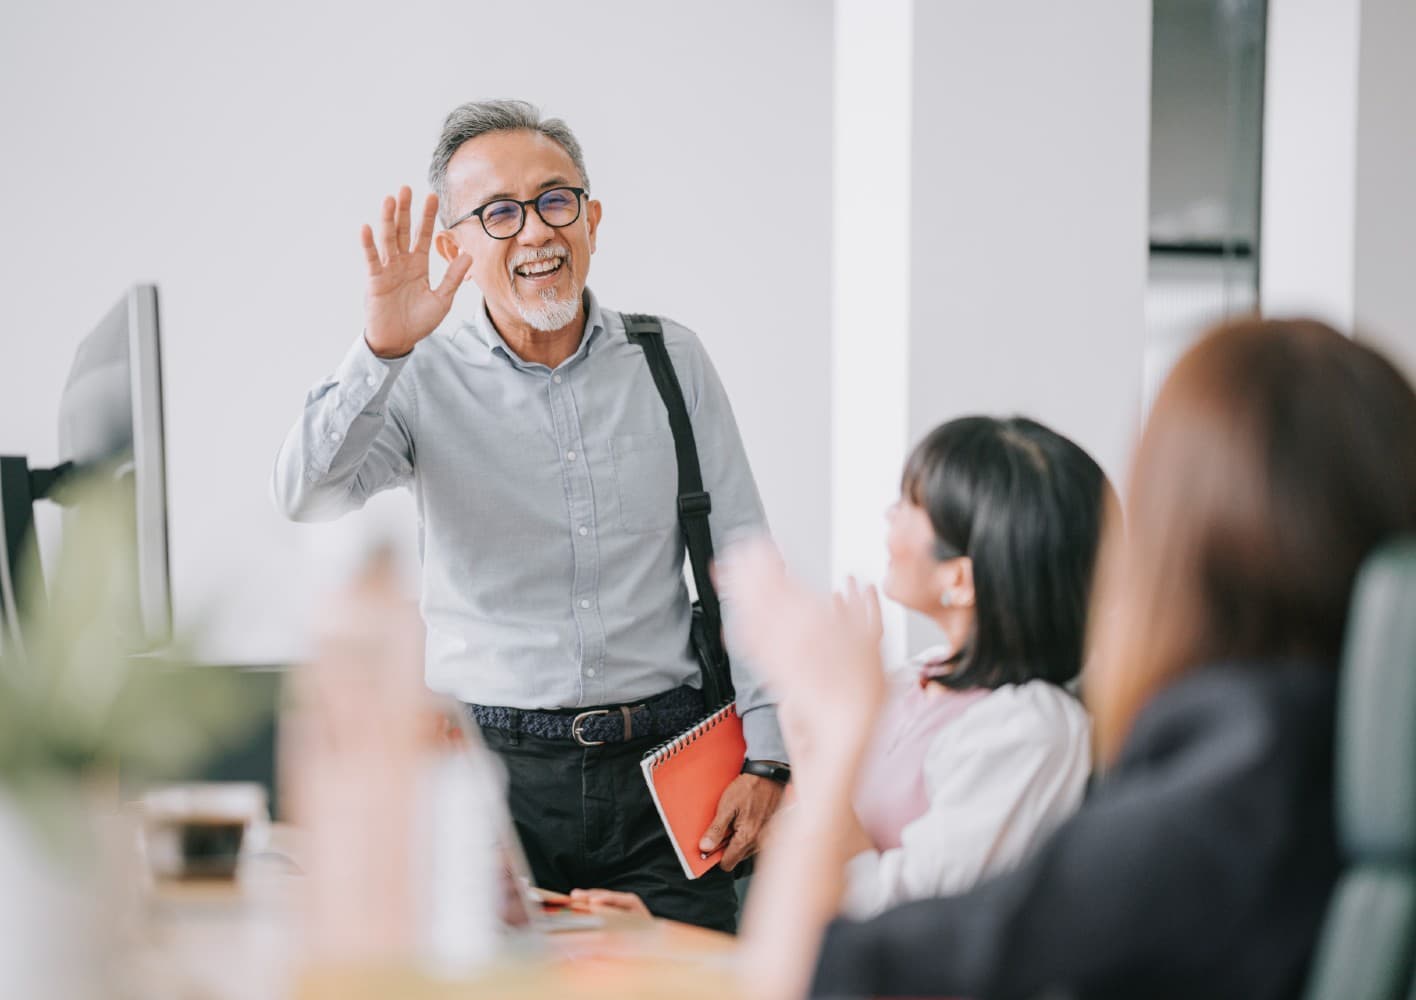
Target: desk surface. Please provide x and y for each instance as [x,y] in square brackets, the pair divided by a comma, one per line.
[236,941]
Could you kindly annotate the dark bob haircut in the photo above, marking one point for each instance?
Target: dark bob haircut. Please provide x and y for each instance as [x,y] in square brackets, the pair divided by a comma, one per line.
[1026,505]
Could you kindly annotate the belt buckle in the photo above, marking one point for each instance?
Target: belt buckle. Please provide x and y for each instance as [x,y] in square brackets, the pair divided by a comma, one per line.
[579,721]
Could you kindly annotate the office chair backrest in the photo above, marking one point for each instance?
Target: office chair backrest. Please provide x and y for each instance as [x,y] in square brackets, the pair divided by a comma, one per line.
[1365,951]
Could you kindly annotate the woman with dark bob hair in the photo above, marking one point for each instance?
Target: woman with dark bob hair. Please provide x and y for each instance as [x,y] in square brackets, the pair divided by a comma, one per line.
[1277,457]
[980,751]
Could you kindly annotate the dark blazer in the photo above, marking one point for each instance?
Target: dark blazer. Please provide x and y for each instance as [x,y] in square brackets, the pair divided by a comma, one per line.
[1200,867]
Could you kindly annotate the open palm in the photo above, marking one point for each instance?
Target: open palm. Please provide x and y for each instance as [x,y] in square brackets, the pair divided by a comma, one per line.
[820,656]
[401,307]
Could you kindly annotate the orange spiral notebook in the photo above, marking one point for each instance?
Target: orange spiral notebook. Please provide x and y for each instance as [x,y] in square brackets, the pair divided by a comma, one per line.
[687,776]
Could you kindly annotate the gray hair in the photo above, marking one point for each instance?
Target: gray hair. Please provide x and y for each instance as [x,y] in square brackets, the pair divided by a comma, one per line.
[468,121]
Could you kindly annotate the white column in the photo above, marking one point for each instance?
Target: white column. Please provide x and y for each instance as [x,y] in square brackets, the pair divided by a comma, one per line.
[871,283]
[1310,160]
[1385,243]
[1339,216]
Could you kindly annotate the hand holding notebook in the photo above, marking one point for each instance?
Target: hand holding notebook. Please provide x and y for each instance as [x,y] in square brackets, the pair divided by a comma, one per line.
[686,778]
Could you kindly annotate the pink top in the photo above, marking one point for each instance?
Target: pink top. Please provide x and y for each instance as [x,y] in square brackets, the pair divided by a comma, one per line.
[961,785]
[892,792]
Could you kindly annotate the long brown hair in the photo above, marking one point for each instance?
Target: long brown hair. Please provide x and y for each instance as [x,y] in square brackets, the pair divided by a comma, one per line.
[1278,454]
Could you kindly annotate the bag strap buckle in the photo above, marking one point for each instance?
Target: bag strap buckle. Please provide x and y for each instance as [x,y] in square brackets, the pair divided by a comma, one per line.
[698,504]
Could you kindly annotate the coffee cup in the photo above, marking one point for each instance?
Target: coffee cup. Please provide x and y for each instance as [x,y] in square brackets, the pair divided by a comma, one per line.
[197,831]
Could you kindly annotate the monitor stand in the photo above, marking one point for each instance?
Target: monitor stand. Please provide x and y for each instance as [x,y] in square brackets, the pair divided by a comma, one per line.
[20,487]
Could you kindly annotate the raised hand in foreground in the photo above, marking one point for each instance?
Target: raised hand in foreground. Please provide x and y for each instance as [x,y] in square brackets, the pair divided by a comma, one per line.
[821,657]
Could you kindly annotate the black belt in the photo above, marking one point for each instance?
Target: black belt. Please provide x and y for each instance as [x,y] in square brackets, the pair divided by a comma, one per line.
[660,717]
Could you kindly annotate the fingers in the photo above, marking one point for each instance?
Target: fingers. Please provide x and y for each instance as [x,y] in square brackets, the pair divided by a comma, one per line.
[747,827]
[861,607]
[874,619]
[371,253]
[551,897]
[582,899]
[845,602]
[427,225]
[717,831]
[608,899]
[395,220]
[402,216]
[388,234]
[452,278]
[738,848]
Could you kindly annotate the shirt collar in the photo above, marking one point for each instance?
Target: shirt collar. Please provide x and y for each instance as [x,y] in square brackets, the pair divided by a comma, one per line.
[936,661]
[486,332]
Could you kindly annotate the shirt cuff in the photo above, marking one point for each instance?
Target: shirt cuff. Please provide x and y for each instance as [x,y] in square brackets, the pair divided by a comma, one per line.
[360,385]
[763,735]
[361,363]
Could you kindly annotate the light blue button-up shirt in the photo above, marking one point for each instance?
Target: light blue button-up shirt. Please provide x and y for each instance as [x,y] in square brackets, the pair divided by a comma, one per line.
[547,508]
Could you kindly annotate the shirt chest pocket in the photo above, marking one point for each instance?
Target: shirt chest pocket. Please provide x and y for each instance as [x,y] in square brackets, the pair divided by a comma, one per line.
[646,479]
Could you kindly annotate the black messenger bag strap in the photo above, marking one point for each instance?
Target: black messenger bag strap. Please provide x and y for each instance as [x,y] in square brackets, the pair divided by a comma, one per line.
[694,505]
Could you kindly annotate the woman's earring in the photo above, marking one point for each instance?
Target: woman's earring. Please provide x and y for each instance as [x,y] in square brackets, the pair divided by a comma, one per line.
[946,599]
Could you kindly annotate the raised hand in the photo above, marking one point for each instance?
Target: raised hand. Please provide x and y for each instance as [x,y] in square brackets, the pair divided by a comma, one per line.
[820,656]
[603,900]
[401,307]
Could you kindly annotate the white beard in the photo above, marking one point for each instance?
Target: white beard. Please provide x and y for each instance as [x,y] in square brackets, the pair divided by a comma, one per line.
[550,313]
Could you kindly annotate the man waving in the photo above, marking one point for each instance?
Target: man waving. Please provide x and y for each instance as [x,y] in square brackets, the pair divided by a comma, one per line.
[539,452]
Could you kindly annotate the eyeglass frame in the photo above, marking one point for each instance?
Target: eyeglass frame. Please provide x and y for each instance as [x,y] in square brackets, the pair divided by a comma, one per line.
[535,203]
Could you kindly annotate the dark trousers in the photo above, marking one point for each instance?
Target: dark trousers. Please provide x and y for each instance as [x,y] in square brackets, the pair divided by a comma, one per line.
[586,820]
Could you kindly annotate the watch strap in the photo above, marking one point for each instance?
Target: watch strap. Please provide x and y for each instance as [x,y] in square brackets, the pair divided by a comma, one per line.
[780,773]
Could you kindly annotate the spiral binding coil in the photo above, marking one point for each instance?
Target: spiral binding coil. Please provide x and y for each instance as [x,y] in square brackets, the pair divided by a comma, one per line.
[669,748]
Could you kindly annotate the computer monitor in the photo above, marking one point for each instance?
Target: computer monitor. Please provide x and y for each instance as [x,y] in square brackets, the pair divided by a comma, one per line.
[111,429]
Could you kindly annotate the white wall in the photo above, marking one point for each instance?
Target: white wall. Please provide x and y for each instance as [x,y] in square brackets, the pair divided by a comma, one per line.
[230,153]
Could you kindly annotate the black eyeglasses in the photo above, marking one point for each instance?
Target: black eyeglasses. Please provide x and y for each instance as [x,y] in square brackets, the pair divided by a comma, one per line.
[504,218]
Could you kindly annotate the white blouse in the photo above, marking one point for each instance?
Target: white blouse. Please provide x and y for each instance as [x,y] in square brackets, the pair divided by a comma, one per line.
[998,778]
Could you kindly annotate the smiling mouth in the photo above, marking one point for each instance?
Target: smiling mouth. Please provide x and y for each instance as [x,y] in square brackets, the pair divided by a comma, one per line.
[540,269]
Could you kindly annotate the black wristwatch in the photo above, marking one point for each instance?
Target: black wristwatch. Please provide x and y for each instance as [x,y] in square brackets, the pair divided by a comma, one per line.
[780,773]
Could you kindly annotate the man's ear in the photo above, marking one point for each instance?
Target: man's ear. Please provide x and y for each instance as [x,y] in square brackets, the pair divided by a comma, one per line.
[592,219]
[446,246]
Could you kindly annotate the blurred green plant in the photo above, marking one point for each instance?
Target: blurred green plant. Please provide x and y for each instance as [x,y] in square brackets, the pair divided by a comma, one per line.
[81,698]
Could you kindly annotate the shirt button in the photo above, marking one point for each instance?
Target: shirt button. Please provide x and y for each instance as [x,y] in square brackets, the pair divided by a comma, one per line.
[583,531]
[335,435]
[369,379]
[589,671]
[585,604]
[570,456]
[556,379]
